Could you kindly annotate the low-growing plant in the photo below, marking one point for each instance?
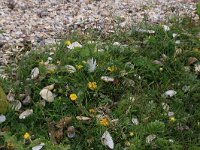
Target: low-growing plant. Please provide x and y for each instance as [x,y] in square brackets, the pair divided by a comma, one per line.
[139,86]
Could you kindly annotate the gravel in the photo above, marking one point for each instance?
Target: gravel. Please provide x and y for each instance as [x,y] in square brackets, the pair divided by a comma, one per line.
[42,21]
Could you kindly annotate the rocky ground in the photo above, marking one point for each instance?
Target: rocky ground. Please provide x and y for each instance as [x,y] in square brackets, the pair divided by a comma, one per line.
[41,21]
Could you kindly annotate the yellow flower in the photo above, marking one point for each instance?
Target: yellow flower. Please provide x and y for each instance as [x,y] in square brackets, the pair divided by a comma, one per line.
[172,119]
[67,43]
[131,133]
[161,69]
[92,111]
[79,66]
[112,68]
[26,136]
[73,97]
[104,122]
[92,85]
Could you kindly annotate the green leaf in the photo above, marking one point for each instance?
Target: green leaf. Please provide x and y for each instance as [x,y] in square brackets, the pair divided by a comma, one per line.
[156,127]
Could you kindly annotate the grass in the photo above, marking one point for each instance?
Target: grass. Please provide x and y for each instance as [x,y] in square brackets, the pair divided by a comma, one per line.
[136,92]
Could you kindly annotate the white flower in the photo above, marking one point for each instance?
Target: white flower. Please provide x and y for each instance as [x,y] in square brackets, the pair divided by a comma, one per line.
[174,35]
[150,138]
[107,79]
[107,140]
[74,45]
[91,64]
[2,118]
[166,28]
[169,93]
[197,68]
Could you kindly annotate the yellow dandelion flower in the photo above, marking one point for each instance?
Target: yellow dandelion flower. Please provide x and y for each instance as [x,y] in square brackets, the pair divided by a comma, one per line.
[131,133]
[73,97]
[26,136]
[172,119]
[67,43]
[79,66]
[92,85]
[112,68]
[92,111]
[104,122]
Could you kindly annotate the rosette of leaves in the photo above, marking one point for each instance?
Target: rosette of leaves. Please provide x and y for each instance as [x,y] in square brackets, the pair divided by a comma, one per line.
[155,127]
